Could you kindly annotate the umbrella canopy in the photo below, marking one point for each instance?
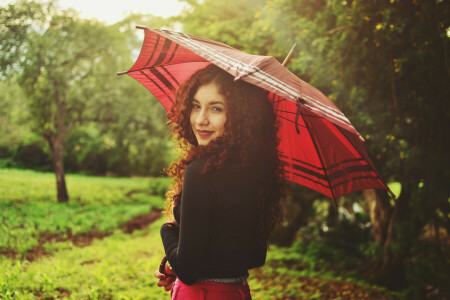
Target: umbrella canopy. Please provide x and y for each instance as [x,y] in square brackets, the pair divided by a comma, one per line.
[319,147]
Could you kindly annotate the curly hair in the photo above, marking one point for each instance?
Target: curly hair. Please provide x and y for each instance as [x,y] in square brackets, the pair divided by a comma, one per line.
[249,139]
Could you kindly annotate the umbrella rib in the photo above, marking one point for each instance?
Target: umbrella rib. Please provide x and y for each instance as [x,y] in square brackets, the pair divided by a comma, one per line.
[153,52]
[369,162]
[329,167]
[356,178]
[285,111]
[161,65]
[320,157]
[310,179]
[189,42]
[291,112]
[163,53]
[157,85]
[337,184]
[173,53]
[255,71]
[163,79]
[170,74]
[302,162]
[290,121]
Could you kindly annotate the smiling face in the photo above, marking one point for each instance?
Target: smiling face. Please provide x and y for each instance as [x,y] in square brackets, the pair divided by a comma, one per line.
[208,114]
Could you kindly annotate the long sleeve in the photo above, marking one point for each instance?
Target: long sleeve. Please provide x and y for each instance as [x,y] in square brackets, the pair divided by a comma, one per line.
[186,249]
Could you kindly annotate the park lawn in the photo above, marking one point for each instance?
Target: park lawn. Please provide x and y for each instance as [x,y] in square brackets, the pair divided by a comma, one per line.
[120,265]
[30,215]
[30,186]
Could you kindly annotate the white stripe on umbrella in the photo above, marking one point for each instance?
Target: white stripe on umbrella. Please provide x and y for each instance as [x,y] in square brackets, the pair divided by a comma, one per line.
[257,73]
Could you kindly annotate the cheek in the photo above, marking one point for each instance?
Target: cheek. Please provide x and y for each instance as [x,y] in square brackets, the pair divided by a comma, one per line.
[192,119]
[221,124]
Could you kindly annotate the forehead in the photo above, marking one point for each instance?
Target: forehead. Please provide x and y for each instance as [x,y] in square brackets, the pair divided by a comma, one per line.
[209,93]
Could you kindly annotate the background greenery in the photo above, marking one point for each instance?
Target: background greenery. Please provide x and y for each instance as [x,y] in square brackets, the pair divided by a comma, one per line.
[384,63]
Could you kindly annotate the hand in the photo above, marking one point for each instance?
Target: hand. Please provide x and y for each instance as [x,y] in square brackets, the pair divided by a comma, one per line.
[166,281]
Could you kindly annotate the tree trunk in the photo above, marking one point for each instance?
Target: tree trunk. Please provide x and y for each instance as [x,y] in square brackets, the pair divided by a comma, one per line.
[380,212]
[56,142]
[57,149]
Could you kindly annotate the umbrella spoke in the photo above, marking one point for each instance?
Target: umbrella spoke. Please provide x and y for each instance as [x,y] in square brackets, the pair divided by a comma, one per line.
[293,122]
[329,158]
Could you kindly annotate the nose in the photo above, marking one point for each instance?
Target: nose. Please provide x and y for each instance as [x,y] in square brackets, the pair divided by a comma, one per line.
[202,117]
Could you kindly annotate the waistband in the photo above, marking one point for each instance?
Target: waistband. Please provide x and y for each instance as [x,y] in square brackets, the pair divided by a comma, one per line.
[241,279]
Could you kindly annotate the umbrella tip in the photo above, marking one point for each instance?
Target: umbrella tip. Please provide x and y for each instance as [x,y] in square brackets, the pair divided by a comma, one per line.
[121,73]
[288,57]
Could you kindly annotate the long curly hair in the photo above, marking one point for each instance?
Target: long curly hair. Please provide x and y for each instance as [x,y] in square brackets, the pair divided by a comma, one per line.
[249,139]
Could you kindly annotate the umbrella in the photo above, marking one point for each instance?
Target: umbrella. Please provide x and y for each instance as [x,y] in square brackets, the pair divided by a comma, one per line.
[319,147]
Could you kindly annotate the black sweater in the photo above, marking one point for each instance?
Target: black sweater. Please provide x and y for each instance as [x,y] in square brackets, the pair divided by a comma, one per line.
[218,221]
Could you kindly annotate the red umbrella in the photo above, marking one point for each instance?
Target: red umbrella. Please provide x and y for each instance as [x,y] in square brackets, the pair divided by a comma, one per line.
[319,147]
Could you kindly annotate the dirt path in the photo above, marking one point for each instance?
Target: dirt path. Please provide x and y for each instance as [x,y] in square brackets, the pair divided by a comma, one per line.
[83,239]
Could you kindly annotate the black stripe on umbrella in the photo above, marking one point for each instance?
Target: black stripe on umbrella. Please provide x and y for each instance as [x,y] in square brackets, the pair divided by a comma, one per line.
[173,54]
[330,148]
[157,85]
[163,79]
[153,53]
[163,54]
[170,75]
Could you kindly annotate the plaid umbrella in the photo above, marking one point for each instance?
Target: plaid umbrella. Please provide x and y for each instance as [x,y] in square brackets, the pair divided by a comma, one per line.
[319,147]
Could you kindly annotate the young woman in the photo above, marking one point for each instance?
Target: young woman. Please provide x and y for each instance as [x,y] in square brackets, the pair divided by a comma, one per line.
[226,188]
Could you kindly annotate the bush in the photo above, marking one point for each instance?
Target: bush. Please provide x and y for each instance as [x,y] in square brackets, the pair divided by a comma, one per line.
[159,186]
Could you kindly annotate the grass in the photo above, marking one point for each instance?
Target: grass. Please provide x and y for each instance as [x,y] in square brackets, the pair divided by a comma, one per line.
[31,186]
[120,265]
[24,224]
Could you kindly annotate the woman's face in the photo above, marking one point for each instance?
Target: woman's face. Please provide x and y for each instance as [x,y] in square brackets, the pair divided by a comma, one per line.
[208,114]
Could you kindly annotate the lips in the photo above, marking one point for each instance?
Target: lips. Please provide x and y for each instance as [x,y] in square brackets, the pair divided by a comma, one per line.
[204,133]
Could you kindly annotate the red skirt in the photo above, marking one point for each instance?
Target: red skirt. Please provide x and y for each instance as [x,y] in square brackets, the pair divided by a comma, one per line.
[206,290]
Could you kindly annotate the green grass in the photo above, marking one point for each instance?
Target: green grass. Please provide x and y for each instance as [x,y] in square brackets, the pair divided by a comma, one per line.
[23,224]
[31,186]
[28,208]
[121,266]
[288,274]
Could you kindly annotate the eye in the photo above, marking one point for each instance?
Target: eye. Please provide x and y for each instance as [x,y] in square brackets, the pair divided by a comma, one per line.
[217,108]
[195,106]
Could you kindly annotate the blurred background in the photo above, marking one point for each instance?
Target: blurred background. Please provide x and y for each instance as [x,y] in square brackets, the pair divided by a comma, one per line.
[64,111]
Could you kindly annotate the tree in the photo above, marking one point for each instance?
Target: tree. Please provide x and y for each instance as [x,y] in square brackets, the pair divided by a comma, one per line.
[64,71]
[17,22]
[385,64]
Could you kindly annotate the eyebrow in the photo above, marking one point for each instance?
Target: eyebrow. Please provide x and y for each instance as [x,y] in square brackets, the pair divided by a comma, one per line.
[210,103]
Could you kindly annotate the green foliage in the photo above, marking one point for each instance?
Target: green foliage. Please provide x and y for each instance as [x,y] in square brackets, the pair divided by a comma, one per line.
[290,273]
[17,21]
[120,266]
[159,186]
[226,21]
[23,224]
[385,65]
[67,72]
[27,210]
[23,186]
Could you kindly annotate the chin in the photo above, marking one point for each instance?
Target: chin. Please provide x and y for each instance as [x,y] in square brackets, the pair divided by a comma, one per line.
[203,143]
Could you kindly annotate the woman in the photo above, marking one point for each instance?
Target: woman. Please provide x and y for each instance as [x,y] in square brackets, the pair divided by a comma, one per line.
[226,189]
